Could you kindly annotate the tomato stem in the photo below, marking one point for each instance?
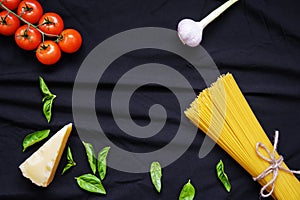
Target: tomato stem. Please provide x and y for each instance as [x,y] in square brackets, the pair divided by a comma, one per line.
[25,35]
[27,8]
[43,38]
[3,20]
[44,47]
[47,22]
[59,38]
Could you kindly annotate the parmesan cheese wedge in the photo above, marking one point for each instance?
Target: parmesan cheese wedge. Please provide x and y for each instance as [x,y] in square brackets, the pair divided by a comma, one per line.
[41,166]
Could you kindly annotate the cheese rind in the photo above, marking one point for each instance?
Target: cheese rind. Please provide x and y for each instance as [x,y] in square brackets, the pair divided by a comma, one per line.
[41,166]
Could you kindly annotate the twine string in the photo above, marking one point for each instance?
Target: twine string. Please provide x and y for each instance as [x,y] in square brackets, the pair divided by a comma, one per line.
[275,166]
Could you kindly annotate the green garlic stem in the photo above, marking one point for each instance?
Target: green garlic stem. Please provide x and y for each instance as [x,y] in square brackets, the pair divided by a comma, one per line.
[214,14]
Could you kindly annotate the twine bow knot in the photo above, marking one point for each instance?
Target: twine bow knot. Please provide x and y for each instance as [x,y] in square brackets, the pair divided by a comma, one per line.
[275,166]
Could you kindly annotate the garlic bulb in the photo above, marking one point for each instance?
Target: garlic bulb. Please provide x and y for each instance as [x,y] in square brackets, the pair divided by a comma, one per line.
[190,32]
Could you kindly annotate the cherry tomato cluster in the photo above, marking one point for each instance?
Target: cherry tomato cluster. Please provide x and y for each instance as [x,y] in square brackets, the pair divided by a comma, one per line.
[26,20]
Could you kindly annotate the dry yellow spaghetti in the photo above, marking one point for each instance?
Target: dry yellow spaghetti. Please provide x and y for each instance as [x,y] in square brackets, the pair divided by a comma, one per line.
[222,112]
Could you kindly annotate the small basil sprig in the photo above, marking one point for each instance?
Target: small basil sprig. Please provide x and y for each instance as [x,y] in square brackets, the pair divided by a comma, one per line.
[102,159]
[156,174]
[47,99]
[90,183]
[71,162]
[222,176]
[187,192]
[34,138]
[91,155]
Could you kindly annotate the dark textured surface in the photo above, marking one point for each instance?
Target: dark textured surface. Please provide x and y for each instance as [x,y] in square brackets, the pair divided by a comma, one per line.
[258,41]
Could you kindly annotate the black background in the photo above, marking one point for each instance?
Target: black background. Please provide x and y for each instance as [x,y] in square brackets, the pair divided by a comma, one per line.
[258,41]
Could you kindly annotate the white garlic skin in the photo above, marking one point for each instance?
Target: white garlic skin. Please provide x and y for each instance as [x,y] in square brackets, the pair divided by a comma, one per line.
[190,32]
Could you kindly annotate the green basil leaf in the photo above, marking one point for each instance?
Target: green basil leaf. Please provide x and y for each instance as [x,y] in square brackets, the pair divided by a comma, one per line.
[47,108]
[70,163]
[44,88]
[69,155]
[187,192]
[91,156]
[156,174]
[34,138]
[222,176]
[90,183]
[47,99]
[67,167]
[102,157]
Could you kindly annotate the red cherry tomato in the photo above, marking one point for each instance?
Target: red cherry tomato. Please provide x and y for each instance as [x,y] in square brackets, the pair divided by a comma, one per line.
[70,41]
[30,10]
[48,53]
[27,37]
[11,4]
[51,23]
[9,23]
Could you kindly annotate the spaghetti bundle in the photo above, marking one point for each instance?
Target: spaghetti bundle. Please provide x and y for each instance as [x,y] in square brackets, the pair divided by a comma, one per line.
[222,112]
